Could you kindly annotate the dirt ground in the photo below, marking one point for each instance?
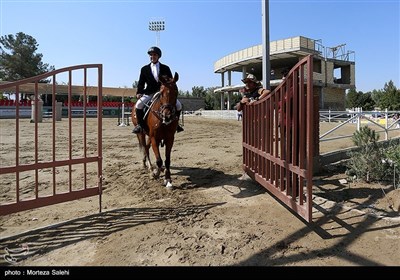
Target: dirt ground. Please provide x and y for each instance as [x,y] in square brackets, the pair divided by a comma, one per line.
[211,218]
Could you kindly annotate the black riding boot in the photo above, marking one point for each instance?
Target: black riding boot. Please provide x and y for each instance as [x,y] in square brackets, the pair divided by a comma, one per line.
[140,119]
[179,128]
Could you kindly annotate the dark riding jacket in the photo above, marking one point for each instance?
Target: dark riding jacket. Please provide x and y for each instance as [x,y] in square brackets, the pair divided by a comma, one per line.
[254,94]
[147,79]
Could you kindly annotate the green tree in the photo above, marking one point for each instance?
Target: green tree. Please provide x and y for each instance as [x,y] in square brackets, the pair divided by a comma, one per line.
[388,97]
[352,98]
[183,93]
[236,97]
[391,98]
[212,99]
[358,99]
[18,58]
[199,92]
[377,96]
[367,101]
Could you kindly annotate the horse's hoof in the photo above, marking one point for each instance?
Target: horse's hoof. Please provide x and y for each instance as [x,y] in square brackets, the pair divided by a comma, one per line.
[169,186]
[156,173]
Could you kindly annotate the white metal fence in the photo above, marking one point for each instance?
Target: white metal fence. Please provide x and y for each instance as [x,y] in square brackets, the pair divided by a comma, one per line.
[214,114]
[384,121]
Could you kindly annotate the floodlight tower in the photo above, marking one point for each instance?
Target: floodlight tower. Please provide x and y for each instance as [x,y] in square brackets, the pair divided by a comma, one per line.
[157,26]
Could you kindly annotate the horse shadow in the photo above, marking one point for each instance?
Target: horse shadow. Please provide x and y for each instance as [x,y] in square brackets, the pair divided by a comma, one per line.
[197,178]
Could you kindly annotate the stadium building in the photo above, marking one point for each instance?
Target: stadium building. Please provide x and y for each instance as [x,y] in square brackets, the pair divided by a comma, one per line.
[333,67]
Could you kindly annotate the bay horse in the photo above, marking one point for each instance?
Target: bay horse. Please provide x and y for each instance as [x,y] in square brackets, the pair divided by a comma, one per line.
[161,124]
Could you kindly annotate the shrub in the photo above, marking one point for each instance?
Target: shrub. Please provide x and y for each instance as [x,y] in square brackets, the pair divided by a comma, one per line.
[368,161]
[392,154]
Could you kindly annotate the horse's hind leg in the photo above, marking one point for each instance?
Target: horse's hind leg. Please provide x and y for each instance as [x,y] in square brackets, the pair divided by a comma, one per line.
[144,157]
[144,149]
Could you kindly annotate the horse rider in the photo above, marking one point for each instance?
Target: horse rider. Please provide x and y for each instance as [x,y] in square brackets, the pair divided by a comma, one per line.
[149,77]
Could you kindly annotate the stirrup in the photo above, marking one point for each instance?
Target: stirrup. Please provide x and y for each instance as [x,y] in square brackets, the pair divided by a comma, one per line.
[179,129]
[137,129]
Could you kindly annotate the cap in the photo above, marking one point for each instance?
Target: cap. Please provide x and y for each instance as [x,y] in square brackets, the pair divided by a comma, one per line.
[251,78]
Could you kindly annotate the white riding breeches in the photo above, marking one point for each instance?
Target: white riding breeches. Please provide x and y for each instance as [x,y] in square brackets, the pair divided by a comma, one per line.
[143,100]
[178,105]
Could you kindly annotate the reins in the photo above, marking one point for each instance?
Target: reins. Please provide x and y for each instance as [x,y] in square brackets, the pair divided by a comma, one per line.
[160,112]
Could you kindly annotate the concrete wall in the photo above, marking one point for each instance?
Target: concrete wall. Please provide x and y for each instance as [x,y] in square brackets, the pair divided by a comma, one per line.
[333,98]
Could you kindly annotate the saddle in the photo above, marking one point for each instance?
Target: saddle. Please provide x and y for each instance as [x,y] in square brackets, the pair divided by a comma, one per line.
[149,104]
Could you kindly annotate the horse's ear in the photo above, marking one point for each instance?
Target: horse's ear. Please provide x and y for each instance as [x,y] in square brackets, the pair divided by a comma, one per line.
[176,77]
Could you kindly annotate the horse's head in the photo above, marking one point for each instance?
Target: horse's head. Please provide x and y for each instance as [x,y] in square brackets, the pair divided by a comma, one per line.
[169,87]
[169,95]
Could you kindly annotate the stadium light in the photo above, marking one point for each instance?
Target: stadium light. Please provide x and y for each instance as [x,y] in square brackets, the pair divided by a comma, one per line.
[157,26]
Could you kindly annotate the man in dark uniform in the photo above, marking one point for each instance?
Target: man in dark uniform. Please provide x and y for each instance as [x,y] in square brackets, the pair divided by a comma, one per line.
[149,84]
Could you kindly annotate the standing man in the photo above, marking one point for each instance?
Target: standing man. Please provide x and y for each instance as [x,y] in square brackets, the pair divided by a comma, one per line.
[149,84]
[253,91]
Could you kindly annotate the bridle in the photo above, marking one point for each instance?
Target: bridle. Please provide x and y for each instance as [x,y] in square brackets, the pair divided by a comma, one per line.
[166,112]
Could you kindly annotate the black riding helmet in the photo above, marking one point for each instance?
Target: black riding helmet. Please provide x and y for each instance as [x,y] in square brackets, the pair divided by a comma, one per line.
[154,50]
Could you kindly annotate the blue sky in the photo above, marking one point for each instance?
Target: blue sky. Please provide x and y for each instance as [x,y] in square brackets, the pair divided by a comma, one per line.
[198,33]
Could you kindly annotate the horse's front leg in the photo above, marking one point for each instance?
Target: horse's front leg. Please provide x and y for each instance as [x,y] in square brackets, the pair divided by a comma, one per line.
[146,159]
[168,149]
[156,149]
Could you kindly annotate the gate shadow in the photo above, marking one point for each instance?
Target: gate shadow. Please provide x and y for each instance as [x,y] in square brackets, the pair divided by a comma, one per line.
[331,221]
[39,241]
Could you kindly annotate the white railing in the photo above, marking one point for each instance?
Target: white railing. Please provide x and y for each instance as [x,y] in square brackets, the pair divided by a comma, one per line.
[214,114]
[385,120]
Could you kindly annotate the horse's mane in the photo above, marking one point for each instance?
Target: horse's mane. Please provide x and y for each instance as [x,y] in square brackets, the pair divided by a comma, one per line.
[165,80]
[170,83]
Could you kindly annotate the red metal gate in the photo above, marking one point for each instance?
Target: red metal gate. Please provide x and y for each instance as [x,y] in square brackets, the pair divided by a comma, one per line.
[278,140]
[29,180]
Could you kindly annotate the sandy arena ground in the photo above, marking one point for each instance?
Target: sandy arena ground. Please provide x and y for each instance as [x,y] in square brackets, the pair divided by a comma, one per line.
[211,218]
